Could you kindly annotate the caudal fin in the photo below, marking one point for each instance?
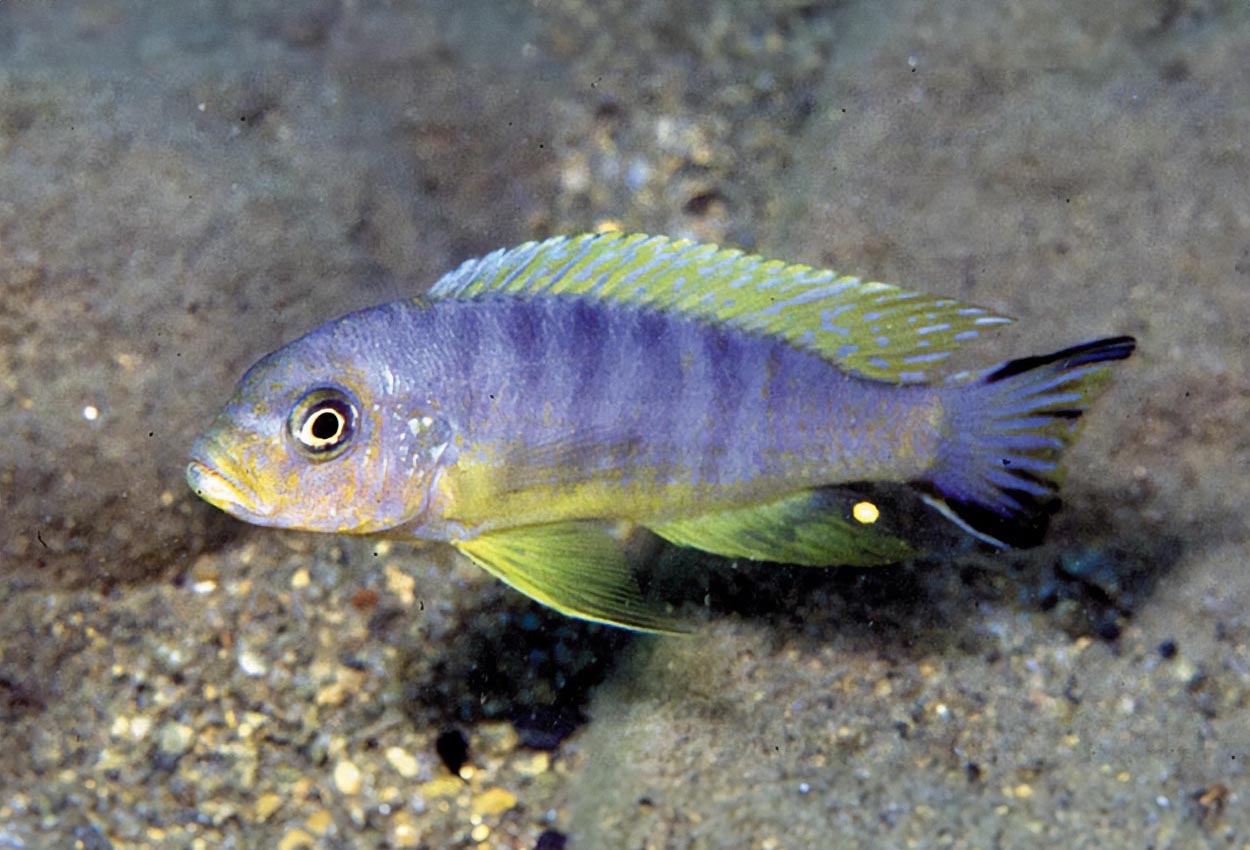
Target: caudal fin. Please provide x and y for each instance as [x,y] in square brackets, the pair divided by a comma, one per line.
[998,469]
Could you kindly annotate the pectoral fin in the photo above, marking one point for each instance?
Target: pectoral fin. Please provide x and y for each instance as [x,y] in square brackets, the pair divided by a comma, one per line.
[576,568]
[818,528]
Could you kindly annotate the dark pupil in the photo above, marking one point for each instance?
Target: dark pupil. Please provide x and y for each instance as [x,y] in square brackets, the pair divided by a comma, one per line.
[325,425]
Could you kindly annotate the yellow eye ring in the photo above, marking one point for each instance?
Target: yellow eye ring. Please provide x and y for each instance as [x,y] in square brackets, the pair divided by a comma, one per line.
[322,423]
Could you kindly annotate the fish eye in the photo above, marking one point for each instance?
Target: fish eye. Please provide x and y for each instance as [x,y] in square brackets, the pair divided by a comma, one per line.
[323,422]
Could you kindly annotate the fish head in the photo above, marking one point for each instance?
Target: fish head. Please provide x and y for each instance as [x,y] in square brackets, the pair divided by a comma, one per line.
[318,437]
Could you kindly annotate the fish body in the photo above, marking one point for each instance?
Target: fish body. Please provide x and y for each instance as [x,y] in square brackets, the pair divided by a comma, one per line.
[575,409]
[537,395]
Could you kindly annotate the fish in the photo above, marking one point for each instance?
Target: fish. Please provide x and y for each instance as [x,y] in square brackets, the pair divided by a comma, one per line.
[539,401]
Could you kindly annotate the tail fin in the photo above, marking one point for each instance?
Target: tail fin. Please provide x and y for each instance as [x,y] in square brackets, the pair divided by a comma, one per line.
[998,470]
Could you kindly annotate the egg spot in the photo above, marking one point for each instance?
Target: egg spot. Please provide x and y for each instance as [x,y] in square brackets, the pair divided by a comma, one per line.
[865,512]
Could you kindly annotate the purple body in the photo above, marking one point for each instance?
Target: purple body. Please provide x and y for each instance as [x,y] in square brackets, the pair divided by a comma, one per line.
[588,388]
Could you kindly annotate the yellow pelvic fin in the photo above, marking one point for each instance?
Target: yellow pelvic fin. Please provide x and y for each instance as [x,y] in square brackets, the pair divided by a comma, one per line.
[816,528]
[577,568]
[873,329]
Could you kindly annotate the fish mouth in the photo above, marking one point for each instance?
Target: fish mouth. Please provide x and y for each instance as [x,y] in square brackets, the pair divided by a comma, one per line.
[222,490]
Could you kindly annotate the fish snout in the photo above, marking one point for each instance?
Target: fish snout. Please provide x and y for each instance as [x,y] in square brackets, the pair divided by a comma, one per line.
[216,483]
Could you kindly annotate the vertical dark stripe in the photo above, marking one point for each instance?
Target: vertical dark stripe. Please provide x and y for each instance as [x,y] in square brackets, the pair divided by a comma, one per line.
[527,347]
[468,336]
[467,343]
[582,392]
[804,410]
[723,357]
[769,403]
[585,332]
[654,364]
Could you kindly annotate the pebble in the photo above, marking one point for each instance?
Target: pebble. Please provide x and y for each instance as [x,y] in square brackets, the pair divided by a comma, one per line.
[266,805]
[295,839]
[139,727]
[404,831]
[404,762]
[176,739]
[347,777]
[444,786]
[533,764]
[319,822]
[493,801]
[497,738]
[401,585]
[251,663]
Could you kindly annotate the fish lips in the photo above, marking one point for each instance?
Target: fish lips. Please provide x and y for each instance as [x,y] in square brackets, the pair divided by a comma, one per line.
[219,488]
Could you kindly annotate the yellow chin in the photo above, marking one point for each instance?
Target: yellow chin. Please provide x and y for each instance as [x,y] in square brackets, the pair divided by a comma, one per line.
[222,491]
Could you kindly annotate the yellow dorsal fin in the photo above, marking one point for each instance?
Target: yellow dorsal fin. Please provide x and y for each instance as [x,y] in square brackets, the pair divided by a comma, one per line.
[873,329]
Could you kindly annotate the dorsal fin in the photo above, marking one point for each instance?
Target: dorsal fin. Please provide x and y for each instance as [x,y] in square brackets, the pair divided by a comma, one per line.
[873,329]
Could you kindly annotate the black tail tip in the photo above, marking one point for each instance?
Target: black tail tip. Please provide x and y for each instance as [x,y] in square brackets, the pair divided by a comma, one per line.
[1099,351]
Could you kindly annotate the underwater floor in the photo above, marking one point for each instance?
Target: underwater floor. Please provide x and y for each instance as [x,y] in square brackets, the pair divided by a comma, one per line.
[185,186]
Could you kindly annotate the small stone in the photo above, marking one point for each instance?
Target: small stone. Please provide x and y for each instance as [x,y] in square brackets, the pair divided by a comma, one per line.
[346,682]
[404,762]
[1184,670]
[347,777]
[140,727]
[445,786]
[173,658]
[365,599]
[266,805]
[481,832]
[404,831]
[533,764]
[401,585]
[176,739]
[497,738]
[205,570]
[300,579]
[295,839]
[493,801]
[251,663]
[332,694]
[319,822]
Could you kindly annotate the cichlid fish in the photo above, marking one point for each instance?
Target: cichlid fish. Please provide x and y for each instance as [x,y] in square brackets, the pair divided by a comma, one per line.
[539,397]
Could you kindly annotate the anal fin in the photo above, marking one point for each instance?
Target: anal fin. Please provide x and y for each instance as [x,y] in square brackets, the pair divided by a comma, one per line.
[577,568]
[820,528]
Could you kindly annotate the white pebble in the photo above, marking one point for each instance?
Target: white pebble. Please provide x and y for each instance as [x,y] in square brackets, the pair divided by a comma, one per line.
[251,663]
[347,777]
